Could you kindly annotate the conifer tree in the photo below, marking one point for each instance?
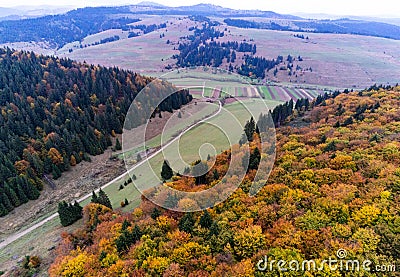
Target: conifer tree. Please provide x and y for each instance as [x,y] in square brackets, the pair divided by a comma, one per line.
[155,213]
[254,160]
[206,220]
[103,199]
[117,145]
[166,171]
[186,223]
[94,198]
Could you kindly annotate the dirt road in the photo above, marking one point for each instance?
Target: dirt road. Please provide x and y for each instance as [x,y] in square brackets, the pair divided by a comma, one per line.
[20,234]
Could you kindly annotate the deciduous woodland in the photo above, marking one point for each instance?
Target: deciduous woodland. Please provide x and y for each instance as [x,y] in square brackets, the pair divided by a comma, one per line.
[55,113]
[335,185]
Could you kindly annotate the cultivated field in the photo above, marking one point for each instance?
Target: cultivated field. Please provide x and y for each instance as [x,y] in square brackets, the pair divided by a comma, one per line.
[336,59]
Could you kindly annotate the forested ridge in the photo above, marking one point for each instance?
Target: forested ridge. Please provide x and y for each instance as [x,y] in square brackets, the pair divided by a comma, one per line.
[55,113]
[335,185]
[61,29]
[339,26]
[203,49]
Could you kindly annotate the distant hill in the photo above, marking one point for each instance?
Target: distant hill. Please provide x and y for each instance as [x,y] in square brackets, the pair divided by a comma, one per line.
[150,4]
[210,10]
[21,12]
[338,26]
[8,11]
[320,16]
[61,29]
[75,25]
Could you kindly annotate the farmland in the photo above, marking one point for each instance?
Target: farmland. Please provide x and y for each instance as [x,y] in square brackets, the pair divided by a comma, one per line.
[328,60]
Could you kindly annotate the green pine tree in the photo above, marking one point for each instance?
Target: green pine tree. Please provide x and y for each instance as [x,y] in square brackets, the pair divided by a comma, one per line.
[206,220]
[63,213]
[103,199]
[255,158]
[166,171]
[118,145]
[155,213]
[12,196]
[94,198]
[3,210]
[186,223]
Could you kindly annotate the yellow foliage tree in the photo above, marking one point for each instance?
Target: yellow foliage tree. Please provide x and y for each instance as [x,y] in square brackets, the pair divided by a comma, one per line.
[72,160]
[156,265]
[55,156]
[248,241]
[367,215]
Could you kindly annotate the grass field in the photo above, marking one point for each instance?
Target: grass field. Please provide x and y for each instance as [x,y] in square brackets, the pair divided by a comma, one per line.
[195,144]
[337,60]
[189,115]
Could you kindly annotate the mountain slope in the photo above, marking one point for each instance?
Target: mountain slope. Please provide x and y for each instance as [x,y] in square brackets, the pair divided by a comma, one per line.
[55,112]
[335,186]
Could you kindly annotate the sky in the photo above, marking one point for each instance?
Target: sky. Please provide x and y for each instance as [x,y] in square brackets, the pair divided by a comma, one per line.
[381,8]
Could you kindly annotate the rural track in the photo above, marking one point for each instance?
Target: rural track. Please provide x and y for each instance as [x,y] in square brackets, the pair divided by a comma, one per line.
[22,233]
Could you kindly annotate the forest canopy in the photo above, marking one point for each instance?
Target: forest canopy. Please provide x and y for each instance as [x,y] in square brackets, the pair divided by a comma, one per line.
[335,185]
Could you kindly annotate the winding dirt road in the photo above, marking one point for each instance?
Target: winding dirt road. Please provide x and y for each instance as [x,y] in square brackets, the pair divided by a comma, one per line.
[20,234]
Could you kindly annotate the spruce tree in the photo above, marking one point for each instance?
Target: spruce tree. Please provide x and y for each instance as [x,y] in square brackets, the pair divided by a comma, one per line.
[136,233]
[55,171]
[206,220]
[63,213]
[77,211]
[118,145]
[3,210]
[103,199]
[69,213]
[255,158]
[6,202]
[12,196]
[166,171]
[249,129]
[155,213]
[21,194]
[186,223]
[94,198]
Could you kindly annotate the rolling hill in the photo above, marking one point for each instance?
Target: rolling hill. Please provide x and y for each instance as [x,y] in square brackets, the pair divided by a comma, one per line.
[333,194]
[77,24]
